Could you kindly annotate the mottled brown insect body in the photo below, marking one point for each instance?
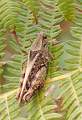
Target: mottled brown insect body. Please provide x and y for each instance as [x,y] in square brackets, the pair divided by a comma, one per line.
[35,71]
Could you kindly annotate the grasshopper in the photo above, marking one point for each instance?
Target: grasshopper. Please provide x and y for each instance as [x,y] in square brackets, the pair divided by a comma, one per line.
[35,71]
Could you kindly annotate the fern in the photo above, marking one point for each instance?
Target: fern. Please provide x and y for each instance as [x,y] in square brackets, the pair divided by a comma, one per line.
[68,8]
[76,27]
[44,108]
[71,91]
[9,108]
[50,18]
[2,45]
[30,30]
[9,11]
[74,45]
[20,21]
[12,74]
[33,5]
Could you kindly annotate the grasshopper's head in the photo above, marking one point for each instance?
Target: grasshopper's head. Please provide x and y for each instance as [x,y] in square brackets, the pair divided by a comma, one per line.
[42,38]
[40,42]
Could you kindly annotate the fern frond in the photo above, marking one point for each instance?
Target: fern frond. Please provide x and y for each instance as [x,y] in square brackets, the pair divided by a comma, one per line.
[20,36]
[12,74]
[9,108]
[2,54]
[73,46]
[50,18]
[71,88]
[76,28]
[68,8]
[21,22]
[28,35]
[9,11]
[44,108]
[2,45]
[73,51]
[33,5]
[12,43]
[10,22]
[53,66]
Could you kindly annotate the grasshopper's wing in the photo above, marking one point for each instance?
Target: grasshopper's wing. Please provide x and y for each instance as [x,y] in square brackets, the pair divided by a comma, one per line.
[41,74]
[37,84]
[31,55]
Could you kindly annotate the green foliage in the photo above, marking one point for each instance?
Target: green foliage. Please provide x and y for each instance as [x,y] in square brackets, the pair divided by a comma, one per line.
[2,45]
[12,73]
[20,21]
[50,18]
[9,108]
[33,5]
[71,91]
[68,8]
[77,24]
[44,108]
[9,14]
